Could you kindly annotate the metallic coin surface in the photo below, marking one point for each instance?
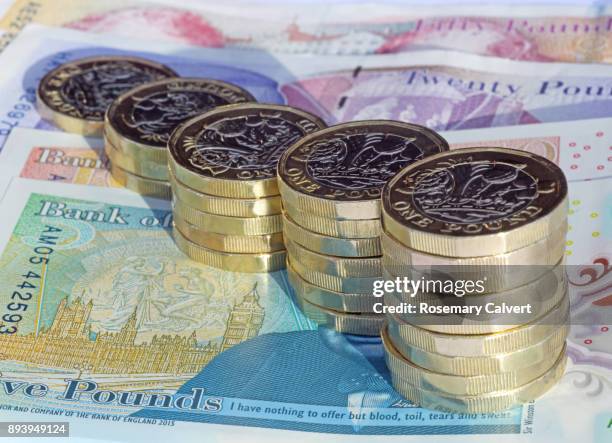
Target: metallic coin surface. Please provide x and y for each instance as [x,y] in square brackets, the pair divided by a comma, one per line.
[233,151]
[250,263]
[350,285]
[483,403]
[133,165]
[475,202]
[338,301]
[426,379]
[231,207]
[347,323]
[541,296]
[324,244]
[502,271]
[339,172]
[75,95]
[347,229]
[476,345]
[222,224]
[488,364]
[339,266]
[240,244]
[141,185]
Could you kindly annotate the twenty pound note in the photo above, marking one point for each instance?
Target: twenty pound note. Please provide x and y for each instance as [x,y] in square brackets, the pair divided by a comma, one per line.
[442,90]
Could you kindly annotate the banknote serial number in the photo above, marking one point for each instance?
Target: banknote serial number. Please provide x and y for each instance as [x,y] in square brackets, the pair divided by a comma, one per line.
[34,429]
[29,282]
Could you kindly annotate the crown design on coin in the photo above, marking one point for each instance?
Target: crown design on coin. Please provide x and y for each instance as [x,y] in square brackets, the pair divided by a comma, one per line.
[473,192]
[359,161]
[245,142]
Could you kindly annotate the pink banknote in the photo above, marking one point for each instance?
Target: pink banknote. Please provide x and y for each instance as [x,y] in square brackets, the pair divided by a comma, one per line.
[70,165]
[353,31]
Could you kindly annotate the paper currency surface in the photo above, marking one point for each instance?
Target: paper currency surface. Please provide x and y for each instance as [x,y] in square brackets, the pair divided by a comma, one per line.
[434,89]
[565,34]
[95,269]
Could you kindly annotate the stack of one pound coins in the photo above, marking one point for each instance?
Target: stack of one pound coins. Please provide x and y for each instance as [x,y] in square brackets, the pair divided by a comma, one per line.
[226,202]
[138,125]
[330,183]
[479,228]
[75,95]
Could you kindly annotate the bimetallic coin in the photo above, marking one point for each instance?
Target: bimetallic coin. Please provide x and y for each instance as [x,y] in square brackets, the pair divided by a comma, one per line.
[350,285]
[475,202]
[233,151]
[346,323]
[270,262]
[133,165]
[475,345]
[339,172]
[222,224]
[139,122]
[483,403]
[405,370]
[490,364]
[502,271]
[75,95]
[339,266]
[351,229]
[541,296]
[324,244]
[142,185]
[240,244]
[231,207]
[339,301]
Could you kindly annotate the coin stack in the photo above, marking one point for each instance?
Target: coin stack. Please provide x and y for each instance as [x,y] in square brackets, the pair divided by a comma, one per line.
[138,125]
[330,183]
[75,95]
[226,201]
[490,214]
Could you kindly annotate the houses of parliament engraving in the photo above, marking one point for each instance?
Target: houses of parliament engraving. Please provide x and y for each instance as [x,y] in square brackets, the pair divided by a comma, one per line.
[69,343]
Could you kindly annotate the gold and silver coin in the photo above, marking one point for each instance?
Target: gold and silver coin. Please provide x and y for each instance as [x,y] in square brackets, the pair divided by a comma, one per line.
[139,122]
[233,150]
[480,314]
[338,301]
[339,266]
[231,207]
[324,244]
[222,224]
[349,229]
[426,379]
[475,202]
[351,285]
[234,262]
[75,95]
[339,172]
[344,322]
[485,364]
[142,185]
[489,402]
[479,345]
[241,244]
[501,272]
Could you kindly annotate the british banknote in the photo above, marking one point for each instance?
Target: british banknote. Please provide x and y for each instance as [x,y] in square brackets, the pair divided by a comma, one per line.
[566,33]
[581,149]
[162,341]
[442,90]
[70,158]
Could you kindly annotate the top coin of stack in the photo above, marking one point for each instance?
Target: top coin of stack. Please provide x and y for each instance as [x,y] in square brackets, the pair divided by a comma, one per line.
[226,201]
[138,125]
[75,95]
[478,212]
[330,183]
